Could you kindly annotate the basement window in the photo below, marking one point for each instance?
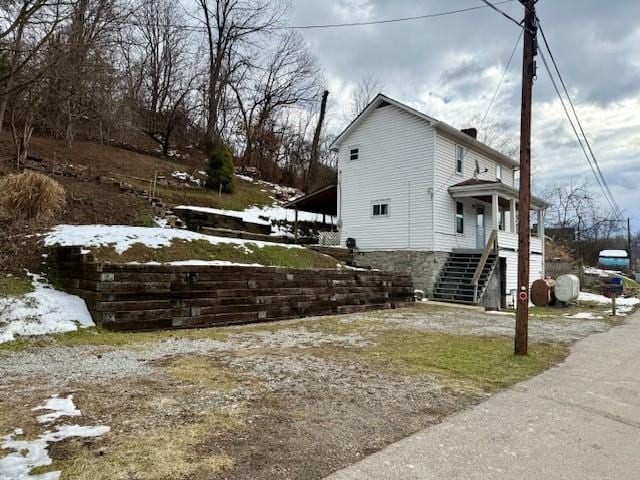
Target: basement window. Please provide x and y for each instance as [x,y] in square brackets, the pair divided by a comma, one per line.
[459,158]
[380,209]
[459,217]
[354,153]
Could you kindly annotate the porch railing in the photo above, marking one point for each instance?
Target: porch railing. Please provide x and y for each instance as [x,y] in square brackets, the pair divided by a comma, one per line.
[329,238]
[492,245]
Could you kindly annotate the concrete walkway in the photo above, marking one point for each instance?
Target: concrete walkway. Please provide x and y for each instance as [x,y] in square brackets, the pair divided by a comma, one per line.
[580,420]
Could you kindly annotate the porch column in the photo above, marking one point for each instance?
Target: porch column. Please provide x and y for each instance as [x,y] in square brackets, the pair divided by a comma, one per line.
[512,219]
[494,211]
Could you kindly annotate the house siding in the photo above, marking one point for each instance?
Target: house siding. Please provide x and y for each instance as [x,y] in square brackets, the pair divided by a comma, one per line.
[395,163]
[446,238]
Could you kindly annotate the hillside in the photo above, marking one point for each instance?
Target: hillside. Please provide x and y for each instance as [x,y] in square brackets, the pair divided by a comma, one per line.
[102,183]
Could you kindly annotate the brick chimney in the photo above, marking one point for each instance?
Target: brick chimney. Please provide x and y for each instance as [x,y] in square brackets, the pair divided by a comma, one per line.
[472,132]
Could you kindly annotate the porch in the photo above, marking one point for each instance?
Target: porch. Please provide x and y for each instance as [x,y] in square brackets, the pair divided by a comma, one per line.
[496,209]
[323,202]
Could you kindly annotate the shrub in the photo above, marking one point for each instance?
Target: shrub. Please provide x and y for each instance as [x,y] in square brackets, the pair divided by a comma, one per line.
[220,168]
[31,196]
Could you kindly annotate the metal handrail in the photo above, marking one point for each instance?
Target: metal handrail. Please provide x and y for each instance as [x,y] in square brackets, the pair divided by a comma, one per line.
[491,245]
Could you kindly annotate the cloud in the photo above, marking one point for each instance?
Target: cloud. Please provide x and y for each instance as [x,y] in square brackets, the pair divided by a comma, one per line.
[448,67]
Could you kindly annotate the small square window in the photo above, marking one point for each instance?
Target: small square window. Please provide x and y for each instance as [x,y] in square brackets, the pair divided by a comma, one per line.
[354,153]
[499,173]
[459,158]
[459,217]
[380,209]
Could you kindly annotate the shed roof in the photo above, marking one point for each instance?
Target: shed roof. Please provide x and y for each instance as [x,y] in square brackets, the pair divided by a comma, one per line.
[324,200]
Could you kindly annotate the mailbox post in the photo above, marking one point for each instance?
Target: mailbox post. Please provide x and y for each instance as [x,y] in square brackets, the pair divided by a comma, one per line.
[612,288]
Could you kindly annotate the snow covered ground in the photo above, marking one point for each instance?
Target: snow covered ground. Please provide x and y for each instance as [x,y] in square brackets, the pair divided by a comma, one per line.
[262,215]
[623,304]
[45,310]
[24,455]
[123,237]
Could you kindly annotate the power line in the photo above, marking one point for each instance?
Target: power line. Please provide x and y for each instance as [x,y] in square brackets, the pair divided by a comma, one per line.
[392,20]
[573,109]
[504,74]
[493,6]
[611,201]
[348,24]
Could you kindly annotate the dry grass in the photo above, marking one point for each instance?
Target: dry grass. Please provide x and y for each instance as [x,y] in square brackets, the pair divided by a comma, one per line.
[161,453]
[31,196]
[200,369]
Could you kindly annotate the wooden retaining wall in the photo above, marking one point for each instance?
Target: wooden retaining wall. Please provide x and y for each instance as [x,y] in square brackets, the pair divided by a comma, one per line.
[145,297]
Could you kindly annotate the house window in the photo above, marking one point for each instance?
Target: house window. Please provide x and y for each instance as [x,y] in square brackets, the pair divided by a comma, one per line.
[499,173]
[380,209]
[459,158]
[354,153]
[459,217]
[500,220]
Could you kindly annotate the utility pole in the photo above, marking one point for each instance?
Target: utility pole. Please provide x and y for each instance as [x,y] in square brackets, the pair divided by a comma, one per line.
[528,73]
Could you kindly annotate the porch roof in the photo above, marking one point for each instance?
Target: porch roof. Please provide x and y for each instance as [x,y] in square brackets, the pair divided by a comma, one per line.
[324,200]
[484,189]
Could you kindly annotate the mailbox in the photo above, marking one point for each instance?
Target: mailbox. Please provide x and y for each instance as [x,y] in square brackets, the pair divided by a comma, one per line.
[612,287]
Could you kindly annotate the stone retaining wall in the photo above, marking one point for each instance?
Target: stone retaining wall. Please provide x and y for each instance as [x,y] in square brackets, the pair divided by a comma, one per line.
[424,267]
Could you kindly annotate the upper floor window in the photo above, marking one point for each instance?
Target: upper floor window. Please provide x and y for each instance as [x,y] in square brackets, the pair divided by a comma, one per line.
[459,217]
[499,172]
[380,209]
[354,153]
[459,158]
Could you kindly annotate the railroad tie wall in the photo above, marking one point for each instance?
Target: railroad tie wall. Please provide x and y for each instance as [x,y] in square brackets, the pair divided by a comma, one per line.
[145,297]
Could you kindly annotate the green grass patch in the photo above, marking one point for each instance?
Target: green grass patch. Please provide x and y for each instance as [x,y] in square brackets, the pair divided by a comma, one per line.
[97,336]
[487,362]
[11,285]
[276,256]
[245,194]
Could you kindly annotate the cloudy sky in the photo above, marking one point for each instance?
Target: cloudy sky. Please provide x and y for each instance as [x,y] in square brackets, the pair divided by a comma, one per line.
[448,67]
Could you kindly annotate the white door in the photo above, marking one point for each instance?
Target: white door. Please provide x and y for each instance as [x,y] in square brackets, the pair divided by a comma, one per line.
[480,240]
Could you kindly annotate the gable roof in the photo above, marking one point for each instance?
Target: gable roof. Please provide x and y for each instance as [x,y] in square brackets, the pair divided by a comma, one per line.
[381,100]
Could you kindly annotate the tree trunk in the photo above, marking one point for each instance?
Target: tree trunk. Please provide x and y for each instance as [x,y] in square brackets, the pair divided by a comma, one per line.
[316,140]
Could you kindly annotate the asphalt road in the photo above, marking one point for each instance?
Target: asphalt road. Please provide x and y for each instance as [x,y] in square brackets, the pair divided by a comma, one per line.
[580,420]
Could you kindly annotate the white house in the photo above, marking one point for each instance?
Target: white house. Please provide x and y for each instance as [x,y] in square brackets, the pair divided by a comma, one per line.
[417,194]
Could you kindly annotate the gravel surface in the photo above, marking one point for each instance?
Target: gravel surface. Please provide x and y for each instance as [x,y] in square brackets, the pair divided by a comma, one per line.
[65,365]
[460,321]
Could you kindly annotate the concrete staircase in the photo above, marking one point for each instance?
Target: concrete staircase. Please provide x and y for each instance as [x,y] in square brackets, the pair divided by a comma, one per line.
[455,283]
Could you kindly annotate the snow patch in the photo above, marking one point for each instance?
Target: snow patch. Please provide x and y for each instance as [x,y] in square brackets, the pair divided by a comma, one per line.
[45,310]
[123,237]
[595,298]
[28,454]
[262,215]
[62,407]
[585,316]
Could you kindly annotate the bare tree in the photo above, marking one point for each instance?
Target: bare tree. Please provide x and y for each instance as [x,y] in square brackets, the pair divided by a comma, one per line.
[25,28]
[160,74]
[229,25]
[497,136]
[288,78]
[364,91]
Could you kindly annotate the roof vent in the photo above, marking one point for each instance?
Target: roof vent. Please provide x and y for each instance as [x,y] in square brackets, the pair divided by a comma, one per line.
[472,132]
